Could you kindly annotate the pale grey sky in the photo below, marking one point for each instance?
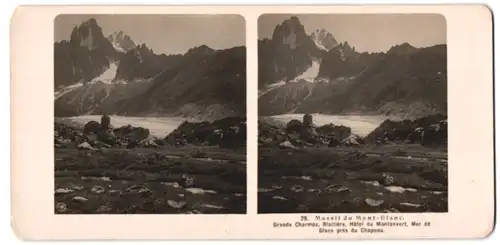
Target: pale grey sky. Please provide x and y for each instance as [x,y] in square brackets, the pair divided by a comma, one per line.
[169,34]
[368,32]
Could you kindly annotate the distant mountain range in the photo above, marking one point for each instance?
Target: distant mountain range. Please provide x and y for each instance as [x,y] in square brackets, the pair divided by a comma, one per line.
[95,74]
[314,73]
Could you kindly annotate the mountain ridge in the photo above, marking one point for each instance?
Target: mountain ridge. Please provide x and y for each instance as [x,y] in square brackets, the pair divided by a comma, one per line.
[405,81]
[132,80]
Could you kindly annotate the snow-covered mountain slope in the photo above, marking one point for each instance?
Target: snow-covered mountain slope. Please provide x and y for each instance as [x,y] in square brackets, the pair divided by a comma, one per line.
[108,75]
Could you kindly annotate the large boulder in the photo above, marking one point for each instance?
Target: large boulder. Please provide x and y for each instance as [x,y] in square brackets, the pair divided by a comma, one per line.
[310,135]
[107,136]
[294,126]
[270,134]
[100,132]
[307,120]
[305,129]
[105,121]
[92,127]
[129,133]
[339,131]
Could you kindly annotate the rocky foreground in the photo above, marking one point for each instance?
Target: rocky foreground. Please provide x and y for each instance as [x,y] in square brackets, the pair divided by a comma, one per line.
[399,167]
[129,171]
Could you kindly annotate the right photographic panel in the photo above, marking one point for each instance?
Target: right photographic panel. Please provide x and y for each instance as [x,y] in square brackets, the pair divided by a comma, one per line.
[352,113]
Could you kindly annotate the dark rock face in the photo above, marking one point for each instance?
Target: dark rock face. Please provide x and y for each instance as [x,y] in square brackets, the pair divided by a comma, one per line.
[89,35]
[85,56]
[227,132]
[289,53]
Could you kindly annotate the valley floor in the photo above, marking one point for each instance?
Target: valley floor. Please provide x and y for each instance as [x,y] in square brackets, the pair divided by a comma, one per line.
[363,179]
[164,180]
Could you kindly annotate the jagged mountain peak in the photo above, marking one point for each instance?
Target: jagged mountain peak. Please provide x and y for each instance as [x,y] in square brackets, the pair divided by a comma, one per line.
[403,48]
[290,32]
[88,34]
[142,47]
[348,48]
[200,50]
[367,83]
[320,33]
[87,55]
[141,52]
[118,33]
[90,22]
[121,41]
[293,20]
[344,50]
[323,39]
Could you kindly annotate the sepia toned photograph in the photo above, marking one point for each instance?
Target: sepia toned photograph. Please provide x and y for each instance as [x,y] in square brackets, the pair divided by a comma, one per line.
[352,113]
[230,122]
[150,114]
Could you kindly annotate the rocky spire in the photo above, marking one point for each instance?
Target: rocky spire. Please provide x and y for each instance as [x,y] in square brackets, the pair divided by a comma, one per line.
[121,41]
[290,32]
[88,34]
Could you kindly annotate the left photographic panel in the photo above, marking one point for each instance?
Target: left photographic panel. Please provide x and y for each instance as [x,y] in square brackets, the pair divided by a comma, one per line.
[150,114]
